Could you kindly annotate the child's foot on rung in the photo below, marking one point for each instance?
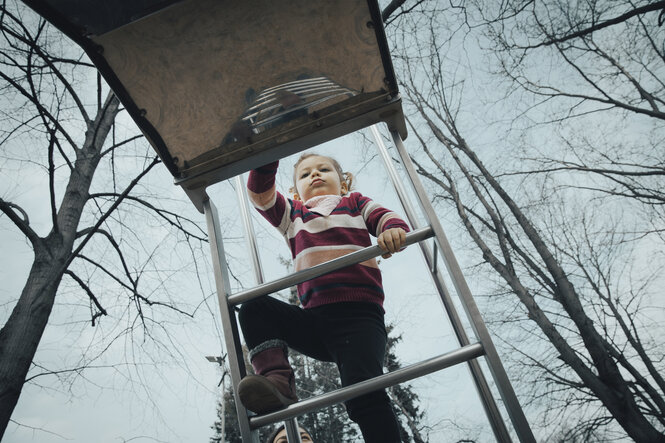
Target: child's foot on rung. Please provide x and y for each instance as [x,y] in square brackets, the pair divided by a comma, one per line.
[260,395]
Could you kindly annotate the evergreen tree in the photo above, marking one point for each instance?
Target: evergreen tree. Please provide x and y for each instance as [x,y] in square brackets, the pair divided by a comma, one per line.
[330,424]
[231,431]
[405,401]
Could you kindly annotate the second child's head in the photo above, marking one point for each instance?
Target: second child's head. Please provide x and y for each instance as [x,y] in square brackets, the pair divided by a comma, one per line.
[315,175]
[279,435]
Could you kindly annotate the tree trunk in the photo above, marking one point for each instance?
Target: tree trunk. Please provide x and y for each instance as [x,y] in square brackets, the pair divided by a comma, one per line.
[20,336]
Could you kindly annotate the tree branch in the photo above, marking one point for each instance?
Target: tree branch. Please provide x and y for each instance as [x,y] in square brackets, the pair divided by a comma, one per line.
[164,214]
[390,8]
[117,145]
[88,291]
[22,223]
[40,108]
[385,16]
[620,19]
[32,44]
[75,253]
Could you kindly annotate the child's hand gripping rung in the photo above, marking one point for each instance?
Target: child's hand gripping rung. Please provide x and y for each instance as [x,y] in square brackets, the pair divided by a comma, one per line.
[392,240]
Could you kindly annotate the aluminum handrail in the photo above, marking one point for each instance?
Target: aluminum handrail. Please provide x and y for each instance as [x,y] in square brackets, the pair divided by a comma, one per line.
[407,373]
[510,400]
[323,268]
[431,257]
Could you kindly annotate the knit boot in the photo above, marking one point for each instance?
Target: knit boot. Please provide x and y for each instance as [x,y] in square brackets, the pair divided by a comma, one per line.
[273,387]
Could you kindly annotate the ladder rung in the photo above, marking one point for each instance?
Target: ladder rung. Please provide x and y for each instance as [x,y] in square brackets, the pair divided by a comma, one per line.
[407,373]
[323,268]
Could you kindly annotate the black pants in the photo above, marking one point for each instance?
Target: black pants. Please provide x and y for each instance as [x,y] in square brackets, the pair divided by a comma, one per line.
[353,335]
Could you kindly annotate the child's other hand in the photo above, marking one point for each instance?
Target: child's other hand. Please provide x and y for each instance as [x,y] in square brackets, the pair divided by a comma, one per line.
[391,240]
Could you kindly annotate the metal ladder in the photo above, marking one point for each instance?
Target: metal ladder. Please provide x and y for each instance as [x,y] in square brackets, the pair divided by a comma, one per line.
[469,351]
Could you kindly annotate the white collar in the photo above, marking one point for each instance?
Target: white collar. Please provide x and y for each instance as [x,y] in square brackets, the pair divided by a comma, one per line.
[323,204]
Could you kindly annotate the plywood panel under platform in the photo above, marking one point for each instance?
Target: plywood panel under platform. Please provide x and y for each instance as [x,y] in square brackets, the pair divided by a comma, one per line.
[219,87]
[195,68]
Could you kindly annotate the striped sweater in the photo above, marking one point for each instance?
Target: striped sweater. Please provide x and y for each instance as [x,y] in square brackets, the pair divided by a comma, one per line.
[314,239]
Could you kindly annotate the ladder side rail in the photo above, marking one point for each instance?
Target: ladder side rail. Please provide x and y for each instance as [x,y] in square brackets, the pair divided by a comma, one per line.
[323,268]
[401,375]
[291,425]
[504,386]
[487,398]
[229,325]
[250,235]
[292,431]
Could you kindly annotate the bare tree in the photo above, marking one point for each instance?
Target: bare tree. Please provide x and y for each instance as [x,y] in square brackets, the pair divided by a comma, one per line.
[610,60]
[611,52]
[594,360]
[60,121]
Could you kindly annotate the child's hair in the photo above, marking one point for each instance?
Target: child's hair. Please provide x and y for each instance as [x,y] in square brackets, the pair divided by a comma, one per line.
[344,177]
[271,437]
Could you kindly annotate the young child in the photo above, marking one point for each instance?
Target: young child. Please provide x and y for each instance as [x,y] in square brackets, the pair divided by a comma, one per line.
[342,315]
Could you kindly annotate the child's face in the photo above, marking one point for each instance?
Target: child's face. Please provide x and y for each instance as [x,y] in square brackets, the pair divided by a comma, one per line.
[315,176]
